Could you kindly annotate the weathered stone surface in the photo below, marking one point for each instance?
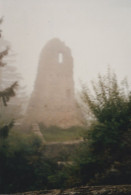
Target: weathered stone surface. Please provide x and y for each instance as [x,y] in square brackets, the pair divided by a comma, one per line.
[86,190]
[53,100]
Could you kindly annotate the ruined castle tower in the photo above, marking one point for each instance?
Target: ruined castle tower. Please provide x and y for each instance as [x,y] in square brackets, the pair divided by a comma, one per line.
[53,101]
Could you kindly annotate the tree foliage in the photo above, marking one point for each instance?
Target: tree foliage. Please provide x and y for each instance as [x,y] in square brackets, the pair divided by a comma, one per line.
[9,92]
[110,101]
[111,106]
[108,137]
[23,164]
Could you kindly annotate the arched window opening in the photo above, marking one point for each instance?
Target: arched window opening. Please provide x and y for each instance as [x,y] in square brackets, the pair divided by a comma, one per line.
[60,57]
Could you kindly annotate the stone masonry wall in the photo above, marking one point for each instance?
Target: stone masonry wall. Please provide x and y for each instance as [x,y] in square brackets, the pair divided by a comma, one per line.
[53,100]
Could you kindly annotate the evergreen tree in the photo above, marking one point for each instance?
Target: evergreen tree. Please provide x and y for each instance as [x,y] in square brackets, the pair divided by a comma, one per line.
[9,91]
[16,105]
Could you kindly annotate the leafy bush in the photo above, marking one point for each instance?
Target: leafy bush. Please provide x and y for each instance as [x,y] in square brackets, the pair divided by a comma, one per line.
[108,137]
[23,165]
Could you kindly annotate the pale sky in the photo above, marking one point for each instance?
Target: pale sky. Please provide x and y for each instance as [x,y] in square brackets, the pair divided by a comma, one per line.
[98,32]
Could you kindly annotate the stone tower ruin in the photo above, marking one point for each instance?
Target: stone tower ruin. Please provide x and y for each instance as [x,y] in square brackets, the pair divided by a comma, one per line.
[53,100]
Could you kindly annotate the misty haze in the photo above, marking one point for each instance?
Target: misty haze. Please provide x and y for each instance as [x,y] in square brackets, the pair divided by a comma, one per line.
[65,97]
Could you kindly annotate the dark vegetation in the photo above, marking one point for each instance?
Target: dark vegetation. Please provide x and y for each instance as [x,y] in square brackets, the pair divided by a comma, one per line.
[102,158]
[105,156]
[23,165]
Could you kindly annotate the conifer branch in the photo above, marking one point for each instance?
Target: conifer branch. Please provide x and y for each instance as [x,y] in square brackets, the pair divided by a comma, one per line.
[8,93]
[3,54]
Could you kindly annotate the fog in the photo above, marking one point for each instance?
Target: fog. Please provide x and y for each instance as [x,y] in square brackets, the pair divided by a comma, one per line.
[97,32]
[47,139]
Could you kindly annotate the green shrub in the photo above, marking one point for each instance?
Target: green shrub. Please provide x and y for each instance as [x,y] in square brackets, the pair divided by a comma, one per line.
[108,138]
[23,165]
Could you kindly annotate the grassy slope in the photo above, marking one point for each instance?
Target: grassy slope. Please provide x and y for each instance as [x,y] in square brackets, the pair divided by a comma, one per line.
[56,134]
